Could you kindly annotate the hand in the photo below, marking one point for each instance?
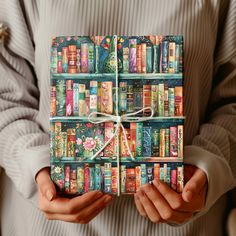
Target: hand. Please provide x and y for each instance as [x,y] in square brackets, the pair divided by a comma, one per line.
[81,209]
[160,203]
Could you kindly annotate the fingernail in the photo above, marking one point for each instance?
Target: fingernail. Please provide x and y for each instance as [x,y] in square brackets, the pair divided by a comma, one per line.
[49,195]
[189,195]
[107,199]
[99,194]
[140,193]
[156,182]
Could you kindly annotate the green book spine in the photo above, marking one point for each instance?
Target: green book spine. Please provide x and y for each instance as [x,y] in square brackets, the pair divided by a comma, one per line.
[139,140]
[155,142]
[90,58]
[167,142]
[161,100]
[61,97]
[149,59]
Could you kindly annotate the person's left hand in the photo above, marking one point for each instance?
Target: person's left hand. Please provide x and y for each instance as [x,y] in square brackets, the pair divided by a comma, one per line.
[160,203]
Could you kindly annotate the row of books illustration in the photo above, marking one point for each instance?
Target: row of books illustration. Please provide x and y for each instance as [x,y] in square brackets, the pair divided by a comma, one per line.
[139,54]
[71,140]
[69,98]
[78,179]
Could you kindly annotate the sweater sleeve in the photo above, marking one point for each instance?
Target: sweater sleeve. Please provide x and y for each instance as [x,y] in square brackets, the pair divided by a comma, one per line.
[24,146]
[214,148]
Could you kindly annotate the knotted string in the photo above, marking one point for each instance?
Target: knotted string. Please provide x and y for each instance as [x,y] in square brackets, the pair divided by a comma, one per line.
[130,117]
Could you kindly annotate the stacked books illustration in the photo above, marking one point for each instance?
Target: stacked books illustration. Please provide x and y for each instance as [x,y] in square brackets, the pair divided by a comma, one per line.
[116,113]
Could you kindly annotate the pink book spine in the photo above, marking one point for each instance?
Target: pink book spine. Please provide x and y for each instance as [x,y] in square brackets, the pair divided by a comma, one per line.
[173,141]
[109,130]
[173,179]
[84,58]
[69,98]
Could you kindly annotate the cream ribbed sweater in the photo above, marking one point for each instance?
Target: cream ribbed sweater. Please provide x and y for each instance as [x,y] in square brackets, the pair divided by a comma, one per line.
[209,30]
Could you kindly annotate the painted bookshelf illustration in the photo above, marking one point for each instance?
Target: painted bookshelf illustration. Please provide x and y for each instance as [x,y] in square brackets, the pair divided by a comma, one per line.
[116,113]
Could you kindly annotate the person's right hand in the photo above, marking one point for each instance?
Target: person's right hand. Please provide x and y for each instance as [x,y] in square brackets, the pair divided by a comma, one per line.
[81,209]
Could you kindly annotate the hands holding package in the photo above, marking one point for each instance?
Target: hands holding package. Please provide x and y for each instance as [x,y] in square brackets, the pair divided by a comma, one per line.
[157,202]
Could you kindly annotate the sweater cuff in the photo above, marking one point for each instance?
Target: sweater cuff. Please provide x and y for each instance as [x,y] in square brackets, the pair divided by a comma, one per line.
[33,159]
[219,175]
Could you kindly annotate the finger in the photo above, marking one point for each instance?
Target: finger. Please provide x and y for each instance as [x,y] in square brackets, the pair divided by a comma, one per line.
[69,206]
[163,207]
[150,209]
[82,217]
[45,184]
[194,185]
[139,206]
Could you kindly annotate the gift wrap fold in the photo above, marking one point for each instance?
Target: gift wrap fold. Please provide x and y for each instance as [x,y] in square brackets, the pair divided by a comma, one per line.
[116,113]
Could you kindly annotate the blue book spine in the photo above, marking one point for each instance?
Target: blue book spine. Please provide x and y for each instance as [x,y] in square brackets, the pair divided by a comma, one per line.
[149,59]
[97,177]
[149,174]
[75,99]
[164,52]
[147,142]
[143,174]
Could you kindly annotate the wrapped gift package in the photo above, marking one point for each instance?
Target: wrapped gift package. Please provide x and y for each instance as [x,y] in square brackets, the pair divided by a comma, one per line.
[116,113]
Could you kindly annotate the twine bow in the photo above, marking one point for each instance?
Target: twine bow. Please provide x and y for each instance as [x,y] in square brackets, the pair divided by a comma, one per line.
[130,117]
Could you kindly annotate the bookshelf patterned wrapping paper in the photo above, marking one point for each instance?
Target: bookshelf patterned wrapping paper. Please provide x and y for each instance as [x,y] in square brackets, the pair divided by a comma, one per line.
[116,113]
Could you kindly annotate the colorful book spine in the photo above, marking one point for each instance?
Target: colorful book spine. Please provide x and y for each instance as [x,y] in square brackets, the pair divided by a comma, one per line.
[168,176]
[143,59]
[54,60]
[147,141]
[179,101]
[137,177]
[149,59]
[133,127]
[180,141]
[72,59]
[82,102]
[139,139]
[162,178]
[165,172]
[91,58]
[99,97]
[69,97]
[164,57]
[80,179]
[156,171]
[139,58]
[138,96]
[149,174]
[125,60]
[167,142]
[65,59]
[171,59]
[155,142]
[123,147]
[146,98]
[173,174]
[123,97]
[73,181]
[97,177]
[180,180]
[181,58]
[64,144]
[53,100]
[71,139]
[114,182]
[91,178]
[86,178]
[162,143]
[109,132]
[177,58]
[60,97]
[84,57]
[132,55]
[67,178]
[130,99]
[106,97]
[154,98]
[123,178]
[87,101]
[171,101]
[78,60]
[130,180]
[107,177]
[59,62]
[75,99]
[166,102]
[143,174]
[52,141]
[161,100]
[58,141]
[173,142]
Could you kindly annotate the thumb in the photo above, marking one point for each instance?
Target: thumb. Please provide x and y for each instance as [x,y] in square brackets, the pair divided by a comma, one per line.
[45,184]
[194,185]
